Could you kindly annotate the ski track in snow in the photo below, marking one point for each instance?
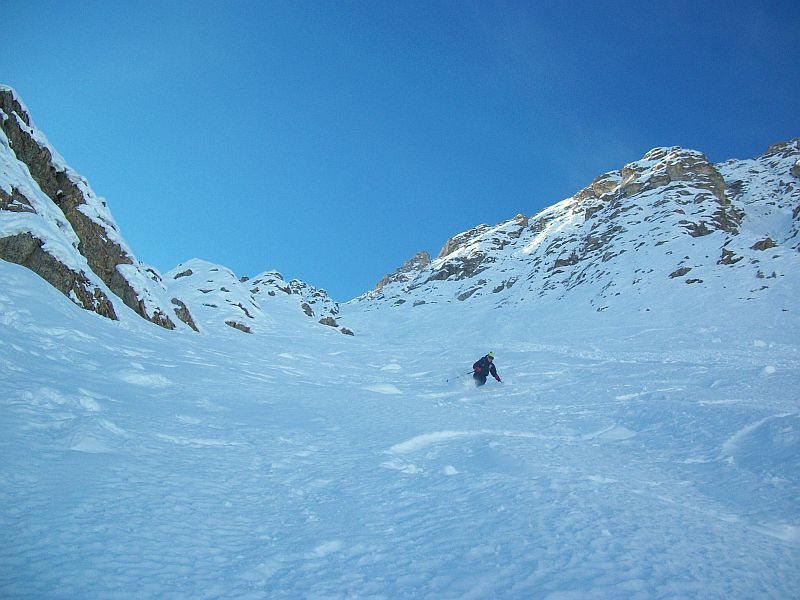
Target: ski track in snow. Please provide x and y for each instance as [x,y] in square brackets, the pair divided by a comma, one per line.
[139,464]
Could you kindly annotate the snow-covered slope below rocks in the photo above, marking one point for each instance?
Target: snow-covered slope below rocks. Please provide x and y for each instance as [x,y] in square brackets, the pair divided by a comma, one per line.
[621,457]
[218,298]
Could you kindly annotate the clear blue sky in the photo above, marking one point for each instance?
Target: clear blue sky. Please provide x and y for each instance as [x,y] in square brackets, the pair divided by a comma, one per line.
[333,140]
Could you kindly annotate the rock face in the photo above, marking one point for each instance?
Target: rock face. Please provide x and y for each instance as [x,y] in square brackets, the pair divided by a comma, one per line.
[52,223]
[313,302]
[672,215]
[411,266]
[26,250]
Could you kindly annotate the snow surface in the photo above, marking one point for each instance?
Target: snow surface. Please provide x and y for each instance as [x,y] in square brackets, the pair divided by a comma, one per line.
[626,455]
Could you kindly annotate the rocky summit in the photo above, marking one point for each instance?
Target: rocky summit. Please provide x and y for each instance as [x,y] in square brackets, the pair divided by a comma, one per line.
[670,219]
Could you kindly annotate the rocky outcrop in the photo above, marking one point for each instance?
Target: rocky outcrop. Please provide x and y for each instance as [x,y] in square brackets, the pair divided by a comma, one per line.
[462,258]
[662,166]
[26,250]
[238,325]
[14,201]
[406,272]
[468,254]
[686,181]
[183,313]
[313,302]
[37,181]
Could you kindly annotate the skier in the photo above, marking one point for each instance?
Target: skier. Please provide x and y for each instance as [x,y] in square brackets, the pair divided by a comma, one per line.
[483,368]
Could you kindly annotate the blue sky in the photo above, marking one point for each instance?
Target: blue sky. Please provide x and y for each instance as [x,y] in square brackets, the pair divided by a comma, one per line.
[333,140]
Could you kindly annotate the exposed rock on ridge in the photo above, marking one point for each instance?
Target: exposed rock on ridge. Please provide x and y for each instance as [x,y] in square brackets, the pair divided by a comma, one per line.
[671,216]
[417,262]
[26,250]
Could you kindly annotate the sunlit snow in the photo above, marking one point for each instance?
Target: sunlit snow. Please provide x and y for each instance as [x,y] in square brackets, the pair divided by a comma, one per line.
[624,456]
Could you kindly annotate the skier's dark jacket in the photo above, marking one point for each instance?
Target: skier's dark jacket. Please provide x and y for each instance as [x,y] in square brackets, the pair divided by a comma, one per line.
[483,368]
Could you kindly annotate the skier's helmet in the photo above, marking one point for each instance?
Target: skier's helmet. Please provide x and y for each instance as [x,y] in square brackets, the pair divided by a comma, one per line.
[490,355]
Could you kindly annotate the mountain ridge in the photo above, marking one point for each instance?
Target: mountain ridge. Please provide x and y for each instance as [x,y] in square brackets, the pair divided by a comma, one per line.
[53,223]
[677,211]
[731,228]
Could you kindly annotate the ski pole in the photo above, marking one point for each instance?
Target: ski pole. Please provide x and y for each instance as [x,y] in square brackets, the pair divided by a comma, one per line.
[459,376]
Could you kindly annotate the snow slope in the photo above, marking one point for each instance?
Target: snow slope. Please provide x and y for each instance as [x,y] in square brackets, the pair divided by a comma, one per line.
[626,455]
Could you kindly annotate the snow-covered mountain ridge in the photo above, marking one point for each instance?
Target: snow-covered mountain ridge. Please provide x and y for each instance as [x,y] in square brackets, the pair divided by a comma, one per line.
[670,219]
[638,234]
[54,224]
[218,298]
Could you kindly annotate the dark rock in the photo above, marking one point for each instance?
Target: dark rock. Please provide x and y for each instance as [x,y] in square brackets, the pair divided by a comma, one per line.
[415,264]
[680,272]
[572,259]
[15,202]
[26,250]
[240,326]
[728,257]
[183,313]
[765,244]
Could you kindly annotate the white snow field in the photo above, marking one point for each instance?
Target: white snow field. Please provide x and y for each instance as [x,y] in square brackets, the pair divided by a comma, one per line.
[627,454]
